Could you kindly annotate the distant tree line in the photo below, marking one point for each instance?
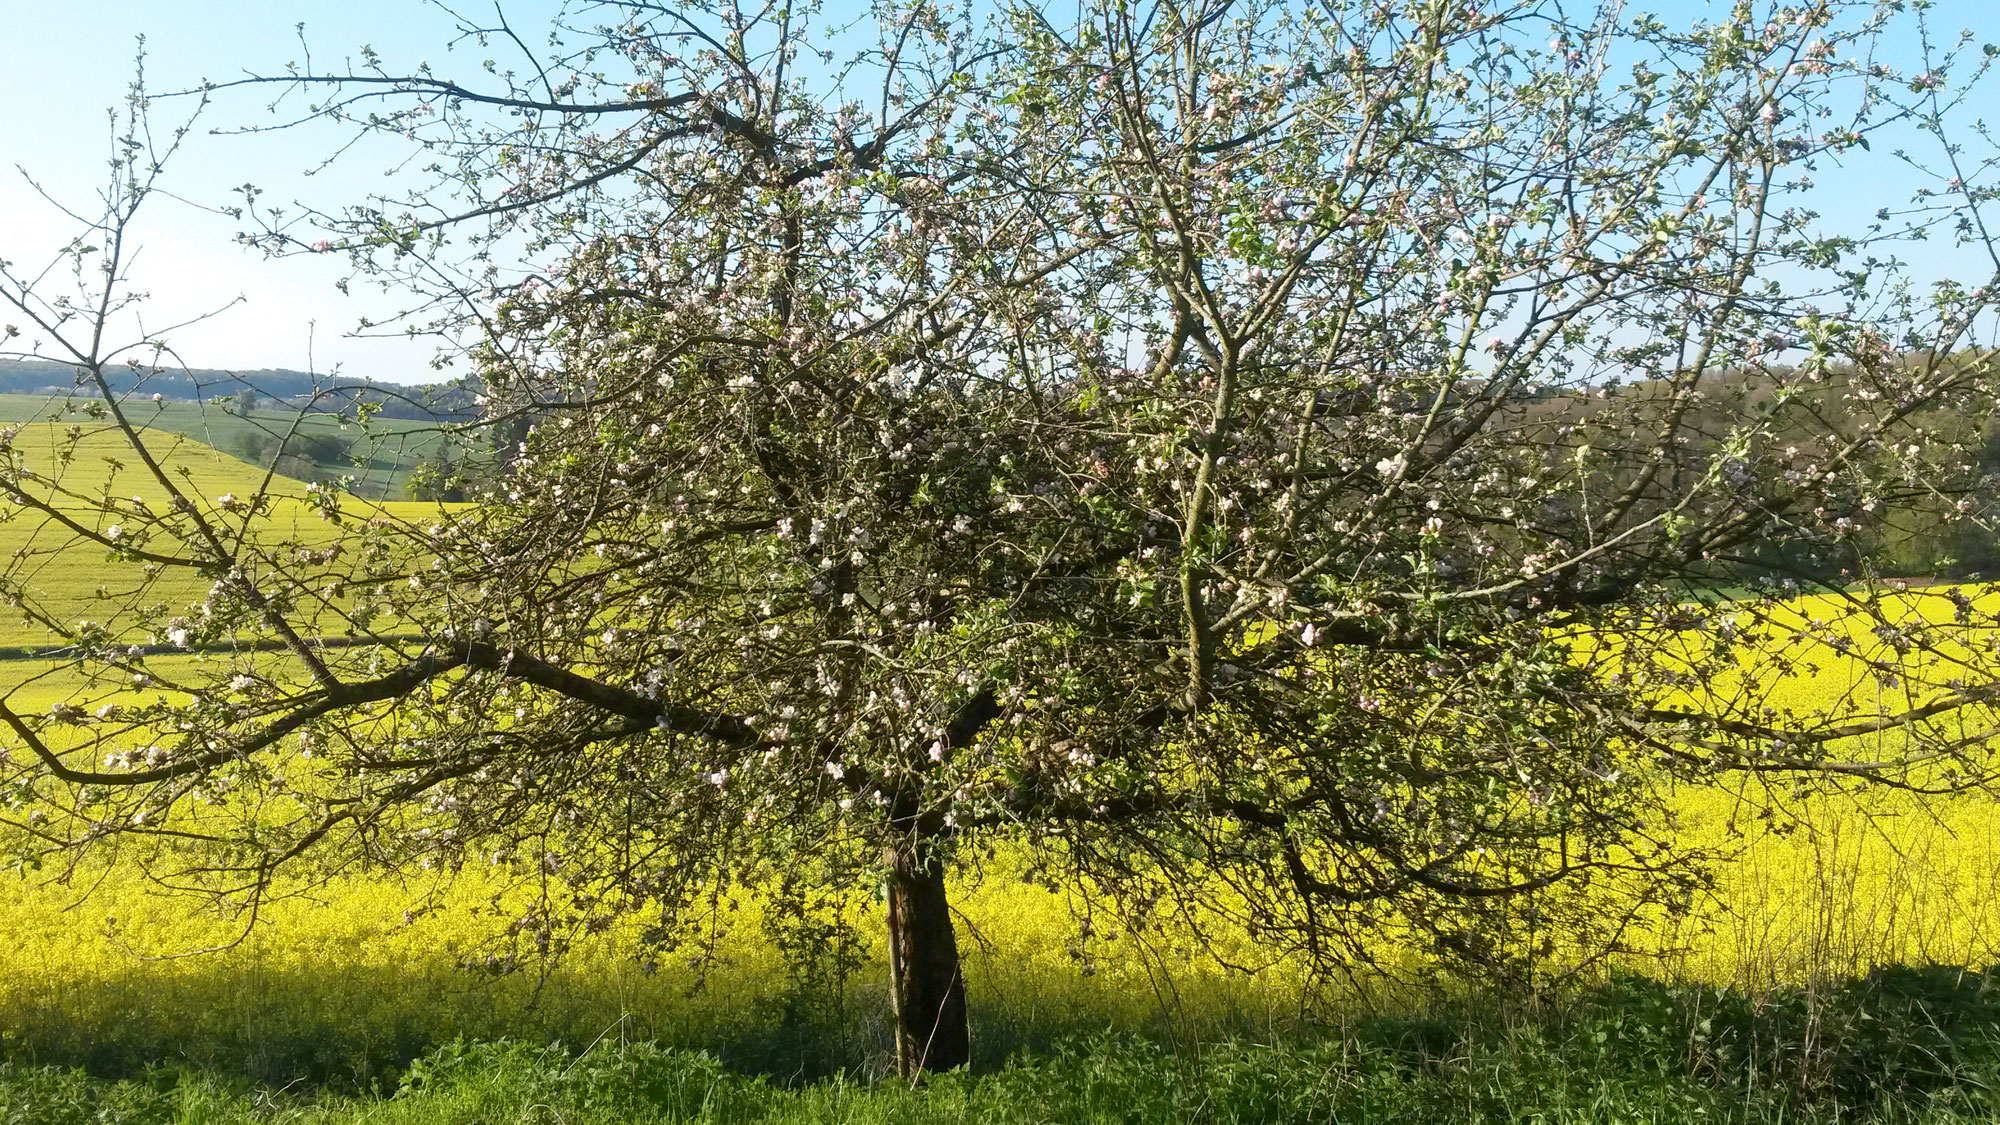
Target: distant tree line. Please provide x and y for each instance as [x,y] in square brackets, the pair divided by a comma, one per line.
[269,386]
[1904,521]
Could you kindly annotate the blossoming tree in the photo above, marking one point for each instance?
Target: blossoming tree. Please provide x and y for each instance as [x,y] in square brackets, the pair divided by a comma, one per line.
[1249,459]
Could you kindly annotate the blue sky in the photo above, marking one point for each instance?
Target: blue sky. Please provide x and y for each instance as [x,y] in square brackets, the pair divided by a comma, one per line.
[67,63]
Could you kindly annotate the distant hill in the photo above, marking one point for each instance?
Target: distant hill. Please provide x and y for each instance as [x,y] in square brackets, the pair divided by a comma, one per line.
[444,402]
[376,459]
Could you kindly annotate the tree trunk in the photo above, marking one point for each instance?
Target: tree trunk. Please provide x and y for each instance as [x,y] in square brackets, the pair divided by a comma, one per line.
[925,983]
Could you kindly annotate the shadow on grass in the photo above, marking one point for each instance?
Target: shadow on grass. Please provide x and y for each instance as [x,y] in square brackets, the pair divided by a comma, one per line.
[1899,1037]
[357,1027]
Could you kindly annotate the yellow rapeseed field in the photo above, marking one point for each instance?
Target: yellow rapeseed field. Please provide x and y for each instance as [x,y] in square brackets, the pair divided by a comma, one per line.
[1834,879]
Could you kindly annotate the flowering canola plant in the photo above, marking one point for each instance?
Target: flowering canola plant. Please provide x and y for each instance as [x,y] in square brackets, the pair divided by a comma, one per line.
[1818,879]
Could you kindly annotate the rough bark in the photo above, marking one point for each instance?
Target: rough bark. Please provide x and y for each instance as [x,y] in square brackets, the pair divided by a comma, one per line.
[926,985]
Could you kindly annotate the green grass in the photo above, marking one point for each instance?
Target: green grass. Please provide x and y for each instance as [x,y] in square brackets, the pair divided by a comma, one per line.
[1902,1046]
